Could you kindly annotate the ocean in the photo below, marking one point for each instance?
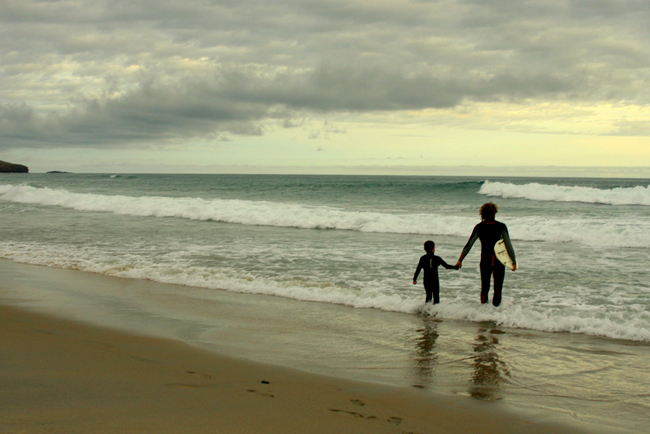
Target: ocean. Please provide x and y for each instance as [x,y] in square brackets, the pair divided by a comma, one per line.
[582,249]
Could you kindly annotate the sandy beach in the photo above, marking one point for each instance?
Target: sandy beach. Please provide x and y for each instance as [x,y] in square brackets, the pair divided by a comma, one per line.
[60,376]
[82,352]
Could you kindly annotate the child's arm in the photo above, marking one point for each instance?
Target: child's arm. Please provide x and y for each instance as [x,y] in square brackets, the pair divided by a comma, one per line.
[417,272]
[447,266]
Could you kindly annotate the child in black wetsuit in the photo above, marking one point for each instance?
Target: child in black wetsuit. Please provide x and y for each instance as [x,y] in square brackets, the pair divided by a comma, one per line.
[430,264]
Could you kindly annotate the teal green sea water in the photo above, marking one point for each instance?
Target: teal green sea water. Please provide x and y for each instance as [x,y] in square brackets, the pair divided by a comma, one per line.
[582,244]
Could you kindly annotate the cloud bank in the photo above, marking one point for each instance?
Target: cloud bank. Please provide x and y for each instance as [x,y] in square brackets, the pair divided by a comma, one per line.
[105,73]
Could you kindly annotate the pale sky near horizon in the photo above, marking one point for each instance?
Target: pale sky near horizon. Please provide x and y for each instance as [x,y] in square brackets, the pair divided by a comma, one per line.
[355,86]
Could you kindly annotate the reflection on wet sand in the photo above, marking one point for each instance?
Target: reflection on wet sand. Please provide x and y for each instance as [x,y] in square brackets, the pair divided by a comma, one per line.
[489,371]
[425,355]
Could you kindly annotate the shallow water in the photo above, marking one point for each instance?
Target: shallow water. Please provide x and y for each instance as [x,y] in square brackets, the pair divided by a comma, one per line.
[583,245]
[600,383]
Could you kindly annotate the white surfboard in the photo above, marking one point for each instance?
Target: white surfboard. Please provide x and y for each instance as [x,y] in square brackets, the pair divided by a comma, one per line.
[502,254]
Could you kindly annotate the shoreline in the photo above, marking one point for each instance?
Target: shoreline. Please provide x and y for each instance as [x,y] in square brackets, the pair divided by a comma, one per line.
[441,374]
[63,376]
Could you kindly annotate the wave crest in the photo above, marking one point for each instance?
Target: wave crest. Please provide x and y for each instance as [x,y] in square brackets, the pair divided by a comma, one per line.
[255,213]
[583,230]
[561,193]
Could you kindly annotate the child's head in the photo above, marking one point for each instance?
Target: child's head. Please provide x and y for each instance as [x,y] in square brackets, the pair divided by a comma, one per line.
[488,211]
[429,246]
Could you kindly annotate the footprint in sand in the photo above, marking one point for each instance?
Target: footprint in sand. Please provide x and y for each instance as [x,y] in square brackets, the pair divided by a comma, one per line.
[268,395]
[353,413]
[395,420]
[199,374]
[358,402]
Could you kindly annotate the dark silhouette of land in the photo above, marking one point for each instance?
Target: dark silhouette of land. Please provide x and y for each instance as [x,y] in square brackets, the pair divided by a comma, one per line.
[12,168]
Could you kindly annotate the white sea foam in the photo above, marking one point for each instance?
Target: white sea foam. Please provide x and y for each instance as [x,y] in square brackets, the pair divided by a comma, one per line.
[562,193]
[531,311]
[522,315]
[622,232]
[260,213]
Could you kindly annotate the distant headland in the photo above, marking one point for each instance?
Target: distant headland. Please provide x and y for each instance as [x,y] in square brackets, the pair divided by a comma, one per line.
[12,168]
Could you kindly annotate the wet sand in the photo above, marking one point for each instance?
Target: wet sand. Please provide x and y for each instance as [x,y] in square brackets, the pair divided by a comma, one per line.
[60,376]
[138,356]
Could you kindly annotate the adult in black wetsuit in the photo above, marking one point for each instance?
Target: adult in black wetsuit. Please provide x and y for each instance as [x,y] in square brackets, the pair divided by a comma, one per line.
[489,231]
[430,263]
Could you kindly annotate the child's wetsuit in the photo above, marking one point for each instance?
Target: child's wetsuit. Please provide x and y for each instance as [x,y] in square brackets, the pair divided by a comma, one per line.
[489,232]
[430,263]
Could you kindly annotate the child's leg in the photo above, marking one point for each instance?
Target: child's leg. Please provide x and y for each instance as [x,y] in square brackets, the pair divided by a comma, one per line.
[436,294]
[428,288]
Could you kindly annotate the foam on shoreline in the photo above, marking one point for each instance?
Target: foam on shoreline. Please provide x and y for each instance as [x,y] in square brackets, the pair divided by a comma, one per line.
[534,314]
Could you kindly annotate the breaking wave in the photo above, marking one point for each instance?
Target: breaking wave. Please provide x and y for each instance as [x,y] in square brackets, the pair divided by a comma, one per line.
[561,193]
[529,311]
[583,230]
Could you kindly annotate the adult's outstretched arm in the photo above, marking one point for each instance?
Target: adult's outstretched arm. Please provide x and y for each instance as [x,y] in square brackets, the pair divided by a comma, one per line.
[467,248]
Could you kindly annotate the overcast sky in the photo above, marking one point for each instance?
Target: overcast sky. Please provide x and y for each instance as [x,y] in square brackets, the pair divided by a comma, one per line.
[353,86]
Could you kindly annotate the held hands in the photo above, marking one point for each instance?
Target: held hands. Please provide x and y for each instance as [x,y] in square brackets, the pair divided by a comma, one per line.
[460,265]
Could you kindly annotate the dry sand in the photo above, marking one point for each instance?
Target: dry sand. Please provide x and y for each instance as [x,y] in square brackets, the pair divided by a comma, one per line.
[58,376]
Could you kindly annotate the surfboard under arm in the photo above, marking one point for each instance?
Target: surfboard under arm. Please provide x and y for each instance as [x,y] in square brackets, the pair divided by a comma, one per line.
[502,254]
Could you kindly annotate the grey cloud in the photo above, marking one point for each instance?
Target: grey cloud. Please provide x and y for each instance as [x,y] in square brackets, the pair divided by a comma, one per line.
[348,89]
[150,114]
[238,101]
[631,128]
[114,73]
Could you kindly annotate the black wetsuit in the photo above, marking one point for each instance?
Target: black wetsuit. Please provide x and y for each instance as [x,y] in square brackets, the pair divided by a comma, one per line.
[489,232]
[430,263]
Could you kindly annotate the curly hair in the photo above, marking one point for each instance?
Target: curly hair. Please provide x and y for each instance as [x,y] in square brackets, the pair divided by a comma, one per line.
[488,211]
